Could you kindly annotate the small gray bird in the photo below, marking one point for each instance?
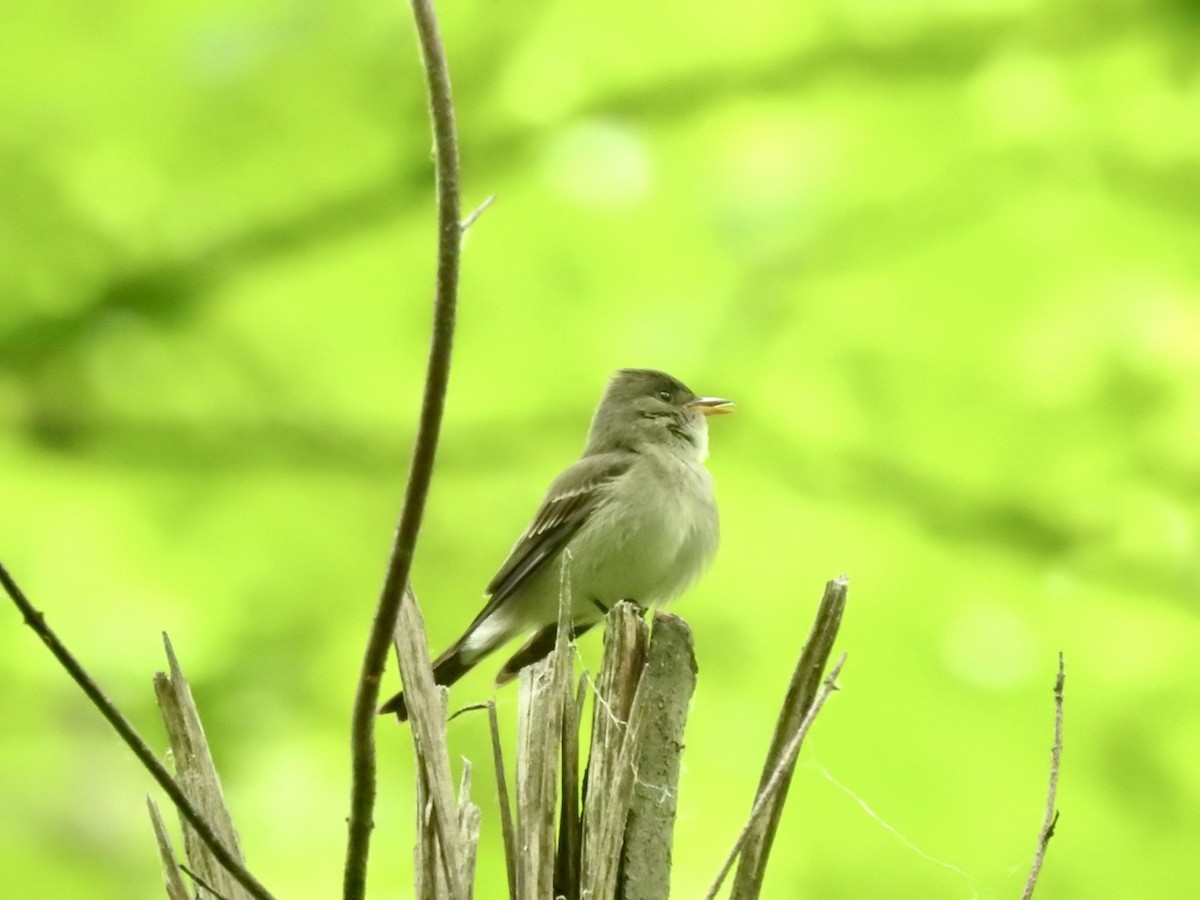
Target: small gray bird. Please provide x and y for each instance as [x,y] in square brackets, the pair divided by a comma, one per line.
[636,514]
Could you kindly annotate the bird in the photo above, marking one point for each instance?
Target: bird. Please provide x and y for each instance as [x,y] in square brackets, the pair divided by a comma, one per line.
[634,518]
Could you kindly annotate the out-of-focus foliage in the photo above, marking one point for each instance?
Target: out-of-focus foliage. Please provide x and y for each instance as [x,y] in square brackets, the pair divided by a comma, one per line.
[944,256]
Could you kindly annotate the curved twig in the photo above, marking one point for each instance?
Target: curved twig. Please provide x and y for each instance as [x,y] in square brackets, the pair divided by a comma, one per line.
[441,111]
[132,739]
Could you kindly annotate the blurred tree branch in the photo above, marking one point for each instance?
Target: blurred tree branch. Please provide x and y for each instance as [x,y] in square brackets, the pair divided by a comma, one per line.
[167,290]
[953,512]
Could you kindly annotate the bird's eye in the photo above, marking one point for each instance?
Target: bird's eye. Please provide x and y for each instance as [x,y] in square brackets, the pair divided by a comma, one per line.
[665,396]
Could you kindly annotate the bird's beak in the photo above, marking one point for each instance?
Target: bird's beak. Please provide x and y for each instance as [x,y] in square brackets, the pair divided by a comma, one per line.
[711,406]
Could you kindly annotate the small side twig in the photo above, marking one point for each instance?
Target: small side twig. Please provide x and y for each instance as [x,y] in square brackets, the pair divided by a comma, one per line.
[1050,819]
[779,776]
[477,212]
[204,885]
[362,797]
[132,739]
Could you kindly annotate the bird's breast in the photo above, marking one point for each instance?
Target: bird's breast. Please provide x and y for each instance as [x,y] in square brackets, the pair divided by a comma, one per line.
[653,539]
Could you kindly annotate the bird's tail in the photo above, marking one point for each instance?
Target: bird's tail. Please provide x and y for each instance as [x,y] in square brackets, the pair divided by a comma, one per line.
[447,669]
[536,648]
[469,650]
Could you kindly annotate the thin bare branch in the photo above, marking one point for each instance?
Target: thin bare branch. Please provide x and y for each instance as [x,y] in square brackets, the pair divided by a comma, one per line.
[805,683]
[506,818]
[132,739]
[362,797]
[781,774]
[1050,819]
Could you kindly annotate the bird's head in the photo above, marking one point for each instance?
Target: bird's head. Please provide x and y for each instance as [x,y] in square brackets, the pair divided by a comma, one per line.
[644,408]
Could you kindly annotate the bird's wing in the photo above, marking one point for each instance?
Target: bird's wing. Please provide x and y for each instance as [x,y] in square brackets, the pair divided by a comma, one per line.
[569,502]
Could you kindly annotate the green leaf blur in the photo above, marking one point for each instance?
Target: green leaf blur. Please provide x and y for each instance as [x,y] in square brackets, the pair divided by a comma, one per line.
[944,257]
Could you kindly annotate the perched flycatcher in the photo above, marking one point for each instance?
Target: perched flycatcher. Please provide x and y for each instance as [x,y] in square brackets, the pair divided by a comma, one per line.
[635,513]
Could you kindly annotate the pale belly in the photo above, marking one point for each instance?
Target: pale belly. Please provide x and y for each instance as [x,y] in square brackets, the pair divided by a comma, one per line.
[647,547]
[636,549]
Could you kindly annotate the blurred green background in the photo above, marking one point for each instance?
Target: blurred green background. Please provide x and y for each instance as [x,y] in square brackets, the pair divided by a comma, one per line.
[944,256]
